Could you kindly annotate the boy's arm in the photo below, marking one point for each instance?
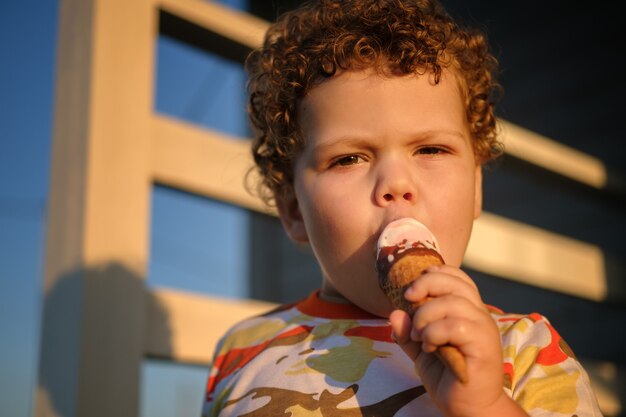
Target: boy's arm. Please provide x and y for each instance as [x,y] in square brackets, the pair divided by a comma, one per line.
[456,315]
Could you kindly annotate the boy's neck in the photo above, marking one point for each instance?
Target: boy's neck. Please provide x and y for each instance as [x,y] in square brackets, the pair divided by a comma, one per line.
[332,296]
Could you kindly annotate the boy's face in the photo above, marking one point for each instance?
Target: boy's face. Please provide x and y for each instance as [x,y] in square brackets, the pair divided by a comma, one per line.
[378,149]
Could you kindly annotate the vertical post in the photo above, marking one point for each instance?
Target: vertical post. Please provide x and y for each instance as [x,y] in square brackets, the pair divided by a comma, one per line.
[97,241]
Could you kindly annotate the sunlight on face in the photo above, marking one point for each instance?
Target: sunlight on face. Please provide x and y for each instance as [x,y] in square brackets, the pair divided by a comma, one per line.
[377,149]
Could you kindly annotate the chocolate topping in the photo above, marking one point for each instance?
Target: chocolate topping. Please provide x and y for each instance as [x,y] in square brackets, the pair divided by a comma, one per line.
[388,255]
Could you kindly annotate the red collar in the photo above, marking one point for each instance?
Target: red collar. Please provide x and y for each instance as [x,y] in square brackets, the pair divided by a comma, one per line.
[313,305]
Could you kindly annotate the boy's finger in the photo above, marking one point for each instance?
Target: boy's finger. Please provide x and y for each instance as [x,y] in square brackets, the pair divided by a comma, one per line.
[436,283]
[446,307]
[459,273]
[401,333]
[451,331]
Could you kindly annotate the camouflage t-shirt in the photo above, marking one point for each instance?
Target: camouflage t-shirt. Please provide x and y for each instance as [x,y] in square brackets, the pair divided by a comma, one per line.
[316,358]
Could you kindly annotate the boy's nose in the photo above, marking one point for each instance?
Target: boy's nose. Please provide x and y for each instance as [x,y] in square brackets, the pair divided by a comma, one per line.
[395,185]
[391,197]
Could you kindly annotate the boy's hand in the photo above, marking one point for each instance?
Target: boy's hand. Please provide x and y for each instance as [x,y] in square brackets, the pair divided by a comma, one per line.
[456,315]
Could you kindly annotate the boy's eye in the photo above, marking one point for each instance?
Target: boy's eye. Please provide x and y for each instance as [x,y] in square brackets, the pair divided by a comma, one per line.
[347,160]
[430,150]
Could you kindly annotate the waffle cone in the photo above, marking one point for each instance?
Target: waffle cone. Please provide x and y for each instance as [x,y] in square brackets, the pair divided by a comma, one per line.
[395,282]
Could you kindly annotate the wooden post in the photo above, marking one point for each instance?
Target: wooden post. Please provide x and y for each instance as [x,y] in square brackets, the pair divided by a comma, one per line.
[97,242]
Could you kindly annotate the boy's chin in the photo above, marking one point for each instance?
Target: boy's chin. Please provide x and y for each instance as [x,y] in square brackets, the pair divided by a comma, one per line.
[380,307]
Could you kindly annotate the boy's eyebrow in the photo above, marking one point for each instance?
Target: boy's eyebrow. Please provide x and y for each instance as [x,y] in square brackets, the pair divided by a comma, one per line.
[427,134]
[349,140]
[366,140]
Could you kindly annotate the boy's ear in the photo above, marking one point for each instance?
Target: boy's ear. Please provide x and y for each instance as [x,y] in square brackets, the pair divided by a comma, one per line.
[291,217]
[478,191]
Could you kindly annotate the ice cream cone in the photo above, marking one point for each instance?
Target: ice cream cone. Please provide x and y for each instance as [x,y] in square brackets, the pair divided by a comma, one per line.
[406,249]
[402,273]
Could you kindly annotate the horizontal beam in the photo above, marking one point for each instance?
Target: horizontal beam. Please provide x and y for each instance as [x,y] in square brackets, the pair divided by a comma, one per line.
[202,161]
[534,256]
[186,327]
[553,156]
[240,27]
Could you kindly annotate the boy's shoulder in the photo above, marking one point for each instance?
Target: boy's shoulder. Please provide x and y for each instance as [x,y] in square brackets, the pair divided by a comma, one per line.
[530,339]
[530,327]
[262,325]
[508,322]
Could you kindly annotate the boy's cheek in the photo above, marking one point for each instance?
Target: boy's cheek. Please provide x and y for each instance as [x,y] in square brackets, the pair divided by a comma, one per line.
[478,191]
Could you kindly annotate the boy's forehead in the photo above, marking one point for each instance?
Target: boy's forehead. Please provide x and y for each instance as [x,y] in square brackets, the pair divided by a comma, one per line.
[356,80]
[364,107]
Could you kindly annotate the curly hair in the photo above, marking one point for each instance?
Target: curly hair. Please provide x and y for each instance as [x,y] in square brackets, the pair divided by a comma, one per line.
[308,45]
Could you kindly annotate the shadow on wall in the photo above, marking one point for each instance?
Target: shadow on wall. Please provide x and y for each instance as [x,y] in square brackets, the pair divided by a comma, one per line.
[92,342]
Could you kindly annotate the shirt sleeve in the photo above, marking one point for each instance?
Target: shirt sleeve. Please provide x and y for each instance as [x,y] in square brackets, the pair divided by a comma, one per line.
[542,373]
[210,406]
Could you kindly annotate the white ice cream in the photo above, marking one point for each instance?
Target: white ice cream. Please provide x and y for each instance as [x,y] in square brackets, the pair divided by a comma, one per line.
[406,233]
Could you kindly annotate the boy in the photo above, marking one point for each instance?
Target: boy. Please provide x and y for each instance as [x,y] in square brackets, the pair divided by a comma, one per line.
[368,111]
